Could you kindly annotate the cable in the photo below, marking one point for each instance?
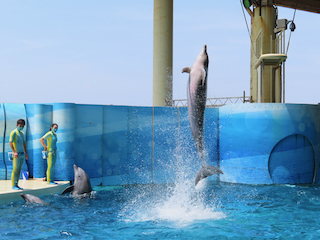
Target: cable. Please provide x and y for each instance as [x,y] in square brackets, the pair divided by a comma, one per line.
[244,15]
[284,83]
[294,15]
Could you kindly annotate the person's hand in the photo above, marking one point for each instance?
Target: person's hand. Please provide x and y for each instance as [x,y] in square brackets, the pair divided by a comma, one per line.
[16,155]
[27,156]
[53,153]
[45,148]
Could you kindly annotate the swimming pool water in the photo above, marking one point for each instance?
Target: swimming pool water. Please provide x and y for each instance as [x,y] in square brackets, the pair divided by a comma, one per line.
[176,211]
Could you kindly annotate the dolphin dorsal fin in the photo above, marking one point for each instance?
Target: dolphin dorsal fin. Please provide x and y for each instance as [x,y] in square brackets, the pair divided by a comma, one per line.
[186,69]
[68,189]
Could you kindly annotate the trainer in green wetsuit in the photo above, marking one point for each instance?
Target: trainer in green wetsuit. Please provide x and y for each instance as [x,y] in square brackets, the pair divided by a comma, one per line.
[18,146]
[51,147]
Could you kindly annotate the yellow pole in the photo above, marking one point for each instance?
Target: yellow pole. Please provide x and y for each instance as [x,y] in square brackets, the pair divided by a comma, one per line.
[162,52]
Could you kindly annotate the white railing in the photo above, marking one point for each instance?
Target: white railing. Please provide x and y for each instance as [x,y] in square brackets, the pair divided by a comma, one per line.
[214,102]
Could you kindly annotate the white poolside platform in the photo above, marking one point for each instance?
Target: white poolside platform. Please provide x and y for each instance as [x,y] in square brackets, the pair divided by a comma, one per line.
[36,187]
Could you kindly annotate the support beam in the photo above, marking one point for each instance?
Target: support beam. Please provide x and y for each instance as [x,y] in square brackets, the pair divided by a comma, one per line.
[162,52]
[263,44]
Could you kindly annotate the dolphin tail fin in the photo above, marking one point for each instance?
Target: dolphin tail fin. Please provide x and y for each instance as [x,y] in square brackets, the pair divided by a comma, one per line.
[68,189]
[206,171]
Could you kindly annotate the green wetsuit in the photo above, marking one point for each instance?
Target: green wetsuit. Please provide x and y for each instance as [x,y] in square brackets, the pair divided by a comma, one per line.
[17,139]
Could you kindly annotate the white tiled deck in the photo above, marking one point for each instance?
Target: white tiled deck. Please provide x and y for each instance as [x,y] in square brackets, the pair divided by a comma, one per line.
[36,187]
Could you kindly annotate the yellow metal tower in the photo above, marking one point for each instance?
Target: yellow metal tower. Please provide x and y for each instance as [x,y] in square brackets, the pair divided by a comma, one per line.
[267,54]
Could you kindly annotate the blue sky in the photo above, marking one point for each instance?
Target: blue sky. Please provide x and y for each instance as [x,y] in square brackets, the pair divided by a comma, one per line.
[100,52]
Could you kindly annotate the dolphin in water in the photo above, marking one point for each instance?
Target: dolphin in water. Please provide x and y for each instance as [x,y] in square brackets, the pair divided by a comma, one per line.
[31,198]
[81,183]
[197,97]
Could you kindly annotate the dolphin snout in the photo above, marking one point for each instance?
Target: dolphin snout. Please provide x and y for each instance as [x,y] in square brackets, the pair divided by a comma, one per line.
[204,48]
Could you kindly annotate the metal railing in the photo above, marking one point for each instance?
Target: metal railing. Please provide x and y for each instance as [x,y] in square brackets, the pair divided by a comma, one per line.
[214,102]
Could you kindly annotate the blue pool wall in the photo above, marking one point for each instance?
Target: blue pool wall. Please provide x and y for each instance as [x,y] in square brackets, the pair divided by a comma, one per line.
[119,145]
[115,145]
[269,143]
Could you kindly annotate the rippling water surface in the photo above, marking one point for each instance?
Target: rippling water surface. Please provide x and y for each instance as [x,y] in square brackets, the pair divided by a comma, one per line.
[178,211]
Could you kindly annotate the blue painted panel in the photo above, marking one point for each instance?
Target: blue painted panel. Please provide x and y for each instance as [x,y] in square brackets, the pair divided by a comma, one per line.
[211,135]
[238,124]
[247,176]
[244,142]
[39,123]
[29,138]
[114,141]
[167,175]
[13,112]
[257,161]
[292,160]
[165,130]
[145,136]
[96,181]
[144,116]
[143,177]
[188,159]
[133,163]
[88,147]
[115,180]
[247,135]
[139,142]
[64,116]
[3,167]
[249,170]
[249,132]
[291,119]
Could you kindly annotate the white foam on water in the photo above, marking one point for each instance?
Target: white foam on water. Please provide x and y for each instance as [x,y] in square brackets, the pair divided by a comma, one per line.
[186,205]
[182,203]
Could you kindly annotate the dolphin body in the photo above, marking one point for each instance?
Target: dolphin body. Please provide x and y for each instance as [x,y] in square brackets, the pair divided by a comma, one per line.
[81,183]
[197,97]
[31,198]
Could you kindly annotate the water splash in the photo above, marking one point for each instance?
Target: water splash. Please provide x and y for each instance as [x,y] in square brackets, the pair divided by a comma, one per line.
[181,202]
[186,204]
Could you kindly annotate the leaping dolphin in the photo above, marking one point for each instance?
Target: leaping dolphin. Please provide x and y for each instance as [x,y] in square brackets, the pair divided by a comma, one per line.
[197,97]
[81,183]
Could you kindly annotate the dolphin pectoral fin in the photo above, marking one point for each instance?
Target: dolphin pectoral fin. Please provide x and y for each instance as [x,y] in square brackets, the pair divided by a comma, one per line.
[207,171]
[186,69]
[68,189]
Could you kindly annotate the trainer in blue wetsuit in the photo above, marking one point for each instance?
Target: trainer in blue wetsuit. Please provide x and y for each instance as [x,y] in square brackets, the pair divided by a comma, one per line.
[51,148]
[18,147]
